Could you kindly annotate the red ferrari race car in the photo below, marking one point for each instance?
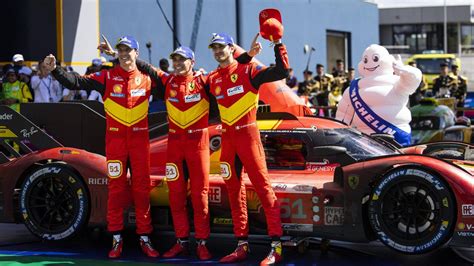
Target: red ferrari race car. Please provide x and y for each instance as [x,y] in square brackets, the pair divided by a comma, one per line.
[332,181]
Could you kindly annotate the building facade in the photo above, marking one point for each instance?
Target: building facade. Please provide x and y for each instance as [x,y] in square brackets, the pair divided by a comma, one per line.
[334,28]
[416,27]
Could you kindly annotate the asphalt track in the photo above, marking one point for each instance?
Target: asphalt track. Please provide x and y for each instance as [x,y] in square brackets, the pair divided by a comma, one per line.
[19,247]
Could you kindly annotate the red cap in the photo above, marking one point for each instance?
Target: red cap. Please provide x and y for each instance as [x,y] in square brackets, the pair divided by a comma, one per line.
[271,27]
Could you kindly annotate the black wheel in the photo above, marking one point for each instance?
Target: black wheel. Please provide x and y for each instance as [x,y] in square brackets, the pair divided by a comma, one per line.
[53,202]
[412,211]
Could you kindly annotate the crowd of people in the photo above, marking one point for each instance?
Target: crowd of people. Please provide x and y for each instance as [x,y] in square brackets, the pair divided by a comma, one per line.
[20,83]
[325,90]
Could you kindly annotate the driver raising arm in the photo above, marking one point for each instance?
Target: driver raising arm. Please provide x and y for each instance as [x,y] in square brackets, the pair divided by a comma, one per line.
[125,91]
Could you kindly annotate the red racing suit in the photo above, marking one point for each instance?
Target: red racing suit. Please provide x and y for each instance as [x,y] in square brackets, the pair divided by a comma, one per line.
[127,145]
[187,103]
[236,90]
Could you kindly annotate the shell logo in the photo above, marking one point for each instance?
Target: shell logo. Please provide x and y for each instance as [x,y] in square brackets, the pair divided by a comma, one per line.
[253,202]
[117,88]
[173,93]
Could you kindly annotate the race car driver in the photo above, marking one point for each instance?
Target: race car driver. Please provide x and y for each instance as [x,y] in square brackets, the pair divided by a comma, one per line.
[187,101]
[187,104]
[125,91]
[235,87]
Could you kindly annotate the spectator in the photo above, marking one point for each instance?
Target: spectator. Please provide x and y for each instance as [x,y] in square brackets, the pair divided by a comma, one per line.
[325,81]
[460,92]
[95,96]
[18,62]
[444,85]
[291,81]
[14,91]
[73,95]
[308,85]
[164,65]
[350,77]
[45,87]
[340,75]
[420,91]
[25,74]
[96,66]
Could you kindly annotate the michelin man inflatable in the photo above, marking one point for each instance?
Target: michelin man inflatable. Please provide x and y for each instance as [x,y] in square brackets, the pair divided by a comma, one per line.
[377,102]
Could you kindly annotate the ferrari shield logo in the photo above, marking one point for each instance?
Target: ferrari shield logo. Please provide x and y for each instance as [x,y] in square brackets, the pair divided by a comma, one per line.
[191,86]
[234,78]
[353,181]
[218,90]
[138,80]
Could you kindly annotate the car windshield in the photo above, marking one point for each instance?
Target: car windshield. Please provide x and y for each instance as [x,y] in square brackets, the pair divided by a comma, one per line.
[358,145]
[431,65]
[426,123]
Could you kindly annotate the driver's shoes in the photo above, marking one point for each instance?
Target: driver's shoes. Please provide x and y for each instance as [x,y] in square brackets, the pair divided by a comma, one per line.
[274,256]
[147,248]
[239,254]
[181,247]
[202,252]
[116,250]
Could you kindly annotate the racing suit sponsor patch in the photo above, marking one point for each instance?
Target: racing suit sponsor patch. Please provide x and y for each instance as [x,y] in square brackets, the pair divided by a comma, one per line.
[235,90]
[196,97]
[114,168]
[225,170]
[173,100]
[172,172]
[138,92]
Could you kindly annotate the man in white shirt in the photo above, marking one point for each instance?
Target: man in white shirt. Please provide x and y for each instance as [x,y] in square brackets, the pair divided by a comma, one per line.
[45,87]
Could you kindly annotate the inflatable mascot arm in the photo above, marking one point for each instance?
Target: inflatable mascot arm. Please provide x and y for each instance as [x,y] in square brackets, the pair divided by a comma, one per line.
[410,77]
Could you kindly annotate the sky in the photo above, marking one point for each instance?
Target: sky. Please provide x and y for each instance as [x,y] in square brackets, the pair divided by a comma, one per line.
[418,3]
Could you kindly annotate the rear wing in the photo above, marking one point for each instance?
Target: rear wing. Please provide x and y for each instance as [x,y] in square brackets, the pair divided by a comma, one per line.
[18,135]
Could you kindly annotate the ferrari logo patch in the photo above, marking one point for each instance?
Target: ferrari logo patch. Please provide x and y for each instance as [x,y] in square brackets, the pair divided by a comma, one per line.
[138,80]
[218,90]
[234,77]
[353,181]
[191,86]
[173,93]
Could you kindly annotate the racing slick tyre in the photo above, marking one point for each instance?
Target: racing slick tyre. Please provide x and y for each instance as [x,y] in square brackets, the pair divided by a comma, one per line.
[412,210]
[54,203]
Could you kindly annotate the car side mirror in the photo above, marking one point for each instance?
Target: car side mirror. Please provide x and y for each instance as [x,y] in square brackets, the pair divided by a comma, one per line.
[386,139]
[329,150]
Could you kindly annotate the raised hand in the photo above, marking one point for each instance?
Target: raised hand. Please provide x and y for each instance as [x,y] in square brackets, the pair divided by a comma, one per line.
[105,47]
[397,64]
[49,62]
[255,47]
